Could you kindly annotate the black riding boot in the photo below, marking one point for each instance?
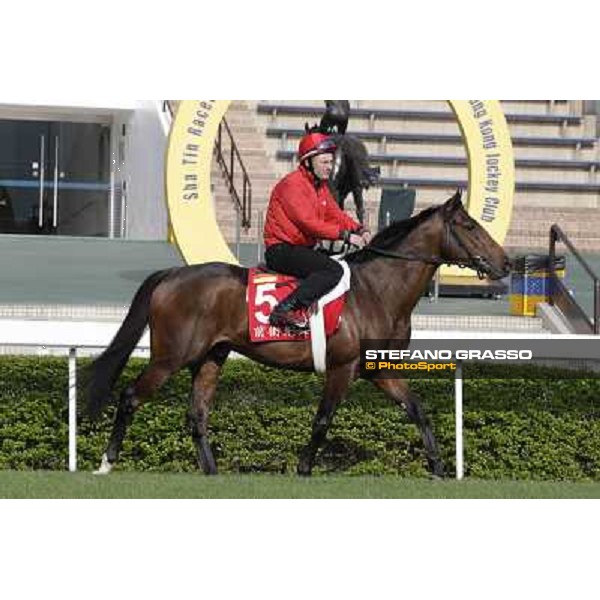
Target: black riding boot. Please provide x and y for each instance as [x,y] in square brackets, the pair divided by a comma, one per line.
[291,313]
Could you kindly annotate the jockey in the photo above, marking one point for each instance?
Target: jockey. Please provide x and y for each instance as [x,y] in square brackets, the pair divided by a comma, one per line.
[301,212]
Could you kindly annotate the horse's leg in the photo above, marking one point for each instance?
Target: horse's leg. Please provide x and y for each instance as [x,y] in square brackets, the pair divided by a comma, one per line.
[399,392]
[336,387]
[359,203]
[204,385]
[131,399]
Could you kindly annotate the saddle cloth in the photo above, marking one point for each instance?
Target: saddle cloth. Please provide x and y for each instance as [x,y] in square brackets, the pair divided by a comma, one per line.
[266,289]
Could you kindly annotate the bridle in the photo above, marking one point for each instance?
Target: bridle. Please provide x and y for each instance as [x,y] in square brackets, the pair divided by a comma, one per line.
[472,261]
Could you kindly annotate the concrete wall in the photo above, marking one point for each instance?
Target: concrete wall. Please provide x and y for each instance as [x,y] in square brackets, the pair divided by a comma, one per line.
[145,151]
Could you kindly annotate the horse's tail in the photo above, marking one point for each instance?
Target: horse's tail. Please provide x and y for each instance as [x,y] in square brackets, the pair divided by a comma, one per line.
[98,380]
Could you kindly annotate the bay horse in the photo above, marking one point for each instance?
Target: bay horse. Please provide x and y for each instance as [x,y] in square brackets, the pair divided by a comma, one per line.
[198,314]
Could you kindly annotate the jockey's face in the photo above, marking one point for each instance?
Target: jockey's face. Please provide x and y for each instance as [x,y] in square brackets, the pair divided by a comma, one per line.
[322,165]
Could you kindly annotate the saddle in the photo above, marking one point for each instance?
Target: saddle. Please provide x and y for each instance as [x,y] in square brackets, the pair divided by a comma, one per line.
[267,288]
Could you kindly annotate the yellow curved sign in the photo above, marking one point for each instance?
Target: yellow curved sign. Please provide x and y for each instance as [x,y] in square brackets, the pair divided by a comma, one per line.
[192,215]
[491,168]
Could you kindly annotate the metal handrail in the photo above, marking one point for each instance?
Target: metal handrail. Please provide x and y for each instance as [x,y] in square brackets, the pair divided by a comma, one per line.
[560,295]
[168,108]
[244,202]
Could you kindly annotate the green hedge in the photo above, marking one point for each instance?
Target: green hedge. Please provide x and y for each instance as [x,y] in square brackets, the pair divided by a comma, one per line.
[519,428]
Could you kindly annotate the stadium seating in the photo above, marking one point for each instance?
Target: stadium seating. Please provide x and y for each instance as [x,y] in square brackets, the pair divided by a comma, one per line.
[418,145]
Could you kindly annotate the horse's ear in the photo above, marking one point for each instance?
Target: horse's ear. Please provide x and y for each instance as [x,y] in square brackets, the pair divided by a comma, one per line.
[457,198]
[454,203]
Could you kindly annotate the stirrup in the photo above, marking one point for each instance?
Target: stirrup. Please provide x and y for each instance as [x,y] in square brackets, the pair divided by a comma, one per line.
[285,319]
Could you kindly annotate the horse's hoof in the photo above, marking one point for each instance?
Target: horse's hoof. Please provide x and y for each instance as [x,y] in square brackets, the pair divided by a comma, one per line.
[304,470]
[105,467]
[438,474]
[208,468]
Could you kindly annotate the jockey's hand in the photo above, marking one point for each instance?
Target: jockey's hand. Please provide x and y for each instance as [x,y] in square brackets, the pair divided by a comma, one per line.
[357,240]
[367,236]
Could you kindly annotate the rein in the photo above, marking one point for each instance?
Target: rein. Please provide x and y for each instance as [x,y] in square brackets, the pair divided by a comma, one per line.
[477,263]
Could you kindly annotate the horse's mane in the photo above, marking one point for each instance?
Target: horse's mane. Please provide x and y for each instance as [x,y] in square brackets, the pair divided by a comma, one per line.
[391,235]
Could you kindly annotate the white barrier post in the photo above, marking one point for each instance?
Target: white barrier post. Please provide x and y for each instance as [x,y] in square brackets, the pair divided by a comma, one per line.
[458,390]
[72,410]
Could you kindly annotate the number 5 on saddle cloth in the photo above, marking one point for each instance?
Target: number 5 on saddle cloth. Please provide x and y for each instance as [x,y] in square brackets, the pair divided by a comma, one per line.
[267,288]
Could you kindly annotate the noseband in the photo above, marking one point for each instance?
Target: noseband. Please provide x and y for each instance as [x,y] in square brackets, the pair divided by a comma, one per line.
[472,261]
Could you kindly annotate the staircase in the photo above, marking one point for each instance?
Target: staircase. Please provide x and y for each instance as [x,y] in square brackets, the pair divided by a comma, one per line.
[262,169]
[530,227]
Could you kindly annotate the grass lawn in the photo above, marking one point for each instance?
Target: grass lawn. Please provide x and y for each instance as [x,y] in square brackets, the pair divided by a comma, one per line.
[169,485]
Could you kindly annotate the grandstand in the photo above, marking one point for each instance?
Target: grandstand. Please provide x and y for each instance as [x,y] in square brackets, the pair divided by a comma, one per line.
[418,144]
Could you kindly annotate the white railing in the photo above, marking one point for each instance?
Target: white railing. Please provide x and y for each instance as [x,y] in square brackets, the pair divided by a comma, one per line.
[70,336]
[74,336]
[458,377]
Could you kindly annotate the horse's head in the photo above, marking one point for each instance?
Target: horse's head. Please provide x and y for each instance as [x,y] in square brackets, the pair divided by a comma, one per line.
[467,241]
[335,119]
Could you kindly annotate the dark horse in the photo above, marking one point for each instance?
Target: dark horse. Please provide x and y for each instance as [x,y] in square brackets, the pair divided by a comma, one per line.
[352,173]
[198,315]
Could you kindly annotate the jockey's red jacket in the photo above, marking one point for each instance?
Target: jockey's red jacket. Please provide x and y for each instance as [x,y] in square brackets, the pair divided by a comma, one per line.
[302,211]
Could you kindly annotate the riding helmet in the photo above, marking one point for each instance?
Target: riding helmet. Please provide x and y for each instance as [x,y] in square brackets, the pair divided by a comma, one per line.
[315,143]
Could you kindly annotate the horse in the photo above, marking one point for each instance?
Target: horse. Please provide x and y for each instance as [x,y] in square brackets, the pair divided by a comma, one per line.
[198,314]
[352,173]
